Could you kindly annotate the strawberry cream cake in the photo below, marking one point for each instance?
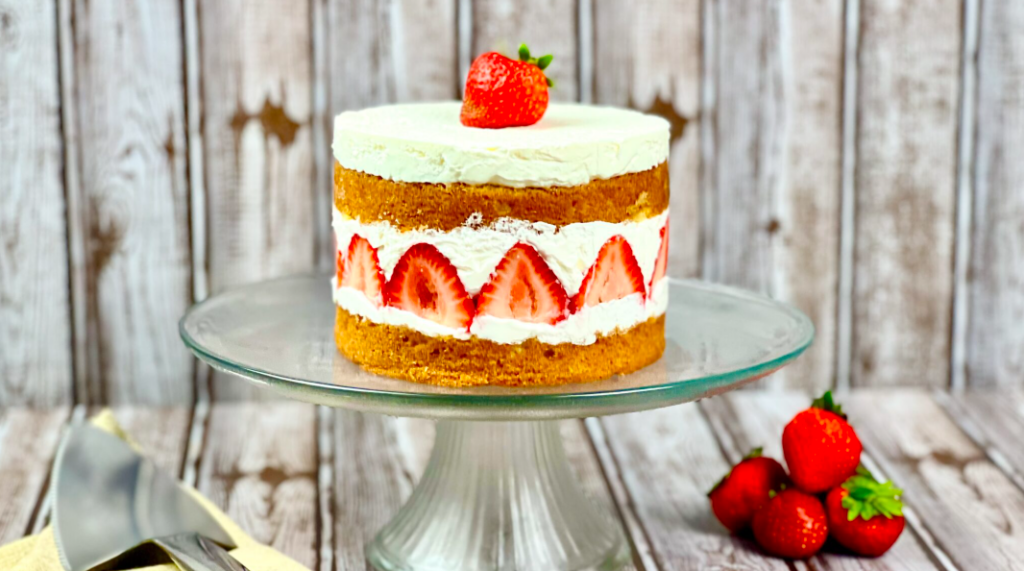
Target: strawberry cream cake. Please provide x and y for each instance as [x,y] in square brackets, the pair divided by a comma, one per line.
[530,255]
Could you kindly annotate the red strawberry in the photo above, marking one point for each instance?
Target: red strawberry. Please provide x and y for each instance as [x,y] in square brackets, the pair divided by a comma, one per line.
[501,92]
[339,265]
[426,283]
[661,262]
[614,275]
[791,524]
[523,287]
[362,271]
[821,448]
[865,515]
[745,489]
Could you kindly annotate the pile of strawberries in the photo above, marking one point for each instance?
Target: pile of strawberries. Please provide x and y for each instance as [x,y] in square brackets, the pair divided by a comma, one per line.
[826,493]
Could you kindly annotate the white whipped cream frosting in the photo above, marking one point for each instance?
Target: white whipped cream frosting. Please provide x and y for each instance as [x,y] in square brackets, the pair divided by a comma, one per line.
[572,144]
[475,251]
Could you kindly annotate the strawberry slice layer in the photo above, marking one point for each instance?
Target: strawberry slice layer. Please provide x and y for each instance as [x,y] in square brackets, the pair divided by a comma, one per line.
[524,288]
[661,262]
[425,283]
[339,266]
[361,270]
[614,275]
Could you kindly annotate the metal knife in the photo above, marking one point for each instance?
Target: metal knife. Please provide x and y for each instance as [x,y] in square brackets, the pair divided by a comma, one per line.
[107,500]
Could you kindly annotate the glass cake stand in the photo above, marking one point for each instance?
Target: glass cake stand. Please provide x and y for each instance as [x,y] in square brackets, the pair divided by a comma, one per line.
[498,492]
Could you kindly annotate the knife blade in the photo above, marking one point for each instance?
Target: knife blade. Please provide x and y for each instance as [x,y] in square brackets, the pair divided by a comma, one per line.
[108,499]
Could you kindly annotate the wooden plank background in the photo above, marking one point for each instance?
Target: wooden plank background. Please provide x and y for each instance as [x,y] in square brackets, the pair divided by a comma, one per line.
[858,158]
[35,332]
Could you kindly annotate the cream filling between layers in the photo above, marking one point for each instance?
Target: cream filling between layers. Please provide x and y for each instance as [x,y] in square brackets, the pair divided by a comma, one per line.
[475,251]
[580,328]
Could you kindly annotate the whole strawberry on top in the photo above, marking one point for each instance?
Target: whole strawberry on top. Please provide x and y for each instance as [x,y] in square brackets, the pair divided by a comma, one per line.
[502,92]
[821,448]
[792,524]
[747,487]
[865,515]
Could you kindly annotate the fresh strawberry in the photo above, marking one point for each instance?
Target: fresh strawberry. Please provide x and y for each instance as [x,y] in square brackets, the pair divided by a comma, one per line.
[865,515]
[502,92]
[661,262]
[614,275]
[821,448]
[791,524]
[362,271]
[425,283]
[523,287]
[738,495]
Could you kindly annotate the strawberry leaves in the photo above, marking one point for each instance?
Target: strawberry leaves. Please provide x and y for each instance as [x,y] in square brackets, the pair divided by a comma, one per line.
[755,453]
[825,402]
[542,62]
[867,497]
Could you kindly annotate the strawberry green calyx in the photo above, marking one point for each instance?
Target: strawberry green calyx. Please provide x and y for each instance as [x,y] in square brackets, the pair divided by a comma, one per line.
[867,497]
[754,453]
[542,62]
[825,402]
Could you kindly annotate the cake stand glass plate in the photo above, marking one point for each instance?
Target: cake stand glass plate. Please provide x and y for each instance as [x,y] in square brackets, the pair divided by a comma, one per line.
[498,493]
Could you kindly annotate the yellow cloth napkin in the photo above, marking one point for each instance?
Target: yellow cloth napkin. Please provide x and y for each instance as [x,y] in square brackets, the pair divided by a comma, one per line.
[39,552]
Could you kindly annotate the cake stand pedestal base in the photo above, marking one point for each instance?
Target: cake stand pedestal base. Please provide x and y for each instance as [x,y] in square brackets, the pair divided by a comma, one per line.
[498,493]
[499,496]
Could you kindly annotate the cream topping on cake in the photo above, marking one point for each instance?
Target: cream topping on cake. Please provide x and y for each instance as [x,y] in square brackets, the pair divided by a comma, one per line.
[572,145]
[475,250]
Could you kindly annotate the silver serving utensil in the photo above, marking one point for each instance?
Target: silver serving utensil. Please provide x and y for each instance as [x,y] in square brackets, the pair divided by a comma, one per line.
[108,500]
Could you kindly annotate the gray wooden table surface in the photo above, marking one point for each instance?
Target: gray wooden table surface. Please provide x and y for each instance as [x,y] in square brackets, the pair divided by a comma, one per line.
[318,483]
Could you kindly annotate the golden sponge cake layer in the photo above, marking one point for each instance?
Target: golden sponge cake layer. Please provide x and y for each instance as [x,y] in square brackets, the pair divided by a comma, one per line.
[404,353]
[369,198]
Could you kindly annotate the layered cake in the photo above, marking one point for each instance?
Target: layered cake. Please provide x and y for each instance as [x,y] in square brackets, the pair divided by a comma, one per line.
[527,255]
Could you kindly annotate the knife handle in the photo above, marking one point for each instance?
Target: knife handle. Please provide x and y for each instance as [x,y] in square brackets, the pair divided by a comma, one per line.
[193,552]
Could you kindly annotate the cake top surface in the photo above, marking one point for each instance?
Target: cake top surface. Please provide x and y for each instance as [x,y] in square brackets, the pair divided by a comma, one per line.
[573,144]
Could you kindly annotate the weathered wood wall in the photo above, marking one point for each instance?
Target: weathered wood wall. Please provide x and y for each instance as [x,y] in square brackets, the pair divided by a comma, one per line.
[858,158]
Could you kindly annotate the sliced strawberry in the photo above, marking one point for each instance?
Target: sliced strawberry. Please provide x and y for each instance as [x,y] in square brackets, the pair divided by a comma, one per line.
[614,275]
[362,271]
[425,283]
[339,265]
[661,262]
[523,287]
